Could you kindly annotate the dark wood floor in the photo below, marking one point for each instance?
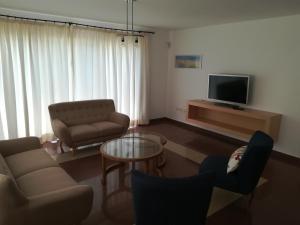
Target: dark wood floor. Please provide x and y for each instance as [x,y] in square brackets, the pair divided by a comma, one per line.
[276,202]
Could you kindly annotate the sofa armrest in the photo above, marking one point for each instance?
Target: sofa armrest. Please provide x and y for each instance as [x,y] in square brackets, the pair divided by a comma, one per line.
[121,119]
[14,146]
[71,204]
[13,203]
[10,194]
[61,131]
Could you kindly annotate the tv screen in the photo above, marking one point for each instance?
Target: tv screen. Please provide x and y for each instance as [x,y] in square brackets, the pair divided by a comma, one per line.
[228,88]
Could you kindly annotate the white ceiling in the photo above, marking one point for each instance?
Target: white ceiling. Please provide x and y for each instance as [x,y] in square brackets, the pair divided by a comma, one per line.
[171,14]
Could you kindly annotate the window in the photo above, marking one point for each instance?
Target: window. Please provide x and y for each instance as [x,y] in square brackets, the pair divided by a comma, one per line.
[41,64]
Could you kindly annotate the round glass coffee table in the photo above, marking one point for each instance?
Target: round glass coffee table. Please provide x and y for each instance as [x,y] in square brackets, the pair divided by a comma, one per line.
[131,148]
[152,136]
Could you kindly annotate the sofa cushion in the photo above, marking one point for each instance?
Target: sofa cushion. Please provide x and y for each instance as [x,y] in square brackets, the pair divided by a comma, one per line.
[107,128]
[44,180]
[4,169]
[26,162]
[83,132]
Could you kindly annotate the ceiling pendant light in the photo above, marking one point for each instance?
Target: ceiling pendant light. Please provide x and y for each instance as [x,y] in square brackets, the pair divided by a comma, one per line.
[129,27]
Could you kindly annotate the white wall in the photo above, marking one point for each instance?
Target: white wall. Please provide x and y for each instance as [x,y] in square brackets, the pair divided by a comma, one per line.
[158,72]
[269,49]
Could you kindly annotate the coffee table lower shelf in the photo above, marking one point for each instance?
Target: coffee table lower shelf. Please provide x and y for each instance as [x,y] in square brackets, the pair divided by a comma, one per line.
[158,162]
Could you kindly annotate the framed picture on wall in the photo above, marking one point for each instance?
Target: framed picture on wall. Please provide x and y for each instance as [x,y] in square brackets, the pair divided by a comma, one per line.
[188,61]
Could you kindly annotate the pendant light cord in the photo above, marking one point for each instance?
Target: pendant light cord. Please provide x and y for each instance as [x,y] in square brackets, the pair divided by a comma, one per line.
[132,16]
[127,14]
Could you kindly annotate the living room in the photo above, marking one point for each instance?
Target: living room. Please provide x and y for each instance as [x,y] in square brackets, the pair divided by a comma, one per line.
[104,101]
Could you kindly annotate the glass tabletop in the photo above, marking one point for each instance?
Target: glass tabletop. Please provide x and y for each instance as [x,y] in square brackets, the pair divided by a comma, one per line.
[147,135]
[131,148]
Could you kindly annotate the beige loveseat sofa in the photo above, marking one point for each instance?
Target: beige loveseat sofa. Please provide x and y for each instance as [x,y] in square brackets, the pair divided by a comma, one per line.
[34,190]
[82,123]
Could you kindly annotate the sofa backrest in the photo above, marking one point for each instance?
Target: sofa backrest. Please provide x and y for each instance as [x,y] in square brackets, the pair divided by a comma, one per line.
[171,200]
[82,112]
[254,161]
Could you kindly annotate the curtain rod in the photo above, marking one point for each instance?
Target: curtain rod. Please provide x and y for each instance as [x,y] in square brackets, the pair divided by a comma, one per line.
[76,24]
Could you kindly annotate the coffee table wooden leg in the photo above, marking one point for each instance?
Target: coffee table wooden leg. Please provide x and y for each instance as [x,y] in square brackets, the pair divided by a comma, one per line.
[162,160]
[147,166]
[133,165]
[122,175]
[104,172]
[157,167]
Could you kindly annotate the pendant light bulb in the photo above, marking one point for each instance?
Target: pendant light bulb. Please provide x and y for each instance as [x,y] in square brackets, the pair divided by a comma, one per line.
[122,41]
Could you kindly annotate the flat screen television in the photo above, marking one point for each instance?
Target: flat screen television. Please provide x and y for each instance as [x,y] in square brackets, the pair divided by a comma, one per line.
[230,89]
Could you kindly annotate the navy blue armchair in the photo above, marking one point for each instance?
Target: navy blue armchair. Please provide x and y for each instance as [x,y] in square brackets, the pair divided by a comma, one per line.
[252,164]
[176,201]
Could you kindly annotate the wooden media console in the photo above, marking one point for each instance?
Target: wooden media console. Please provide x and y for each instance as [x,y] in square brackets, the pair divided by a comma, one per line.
[239,123]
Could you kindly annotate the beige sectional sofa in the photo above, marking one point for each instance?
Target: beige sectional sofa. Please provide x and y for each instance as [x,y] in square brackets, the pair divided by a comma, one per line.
[34,190]
[82,123]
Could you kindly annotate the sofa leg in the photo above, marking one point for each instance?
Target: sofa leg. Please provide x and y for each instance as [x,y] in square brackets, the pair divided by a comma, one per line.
[61,146]
[74,150]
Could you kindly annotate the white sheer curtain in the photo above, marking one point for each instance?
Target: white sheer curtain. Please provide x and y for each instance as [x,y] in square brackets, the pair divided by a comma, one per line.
[34,72]
[42,64]
[104,67]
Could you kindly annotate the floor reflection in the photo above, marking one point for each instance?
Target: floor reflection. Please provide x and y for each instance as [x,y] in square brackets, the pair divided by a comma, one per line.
[117,206]
[113,201]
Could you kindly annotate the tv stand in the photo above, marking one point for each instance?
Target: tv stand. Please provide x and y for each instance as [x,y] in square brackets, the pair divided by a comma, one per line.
[236,107]
[237,123]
